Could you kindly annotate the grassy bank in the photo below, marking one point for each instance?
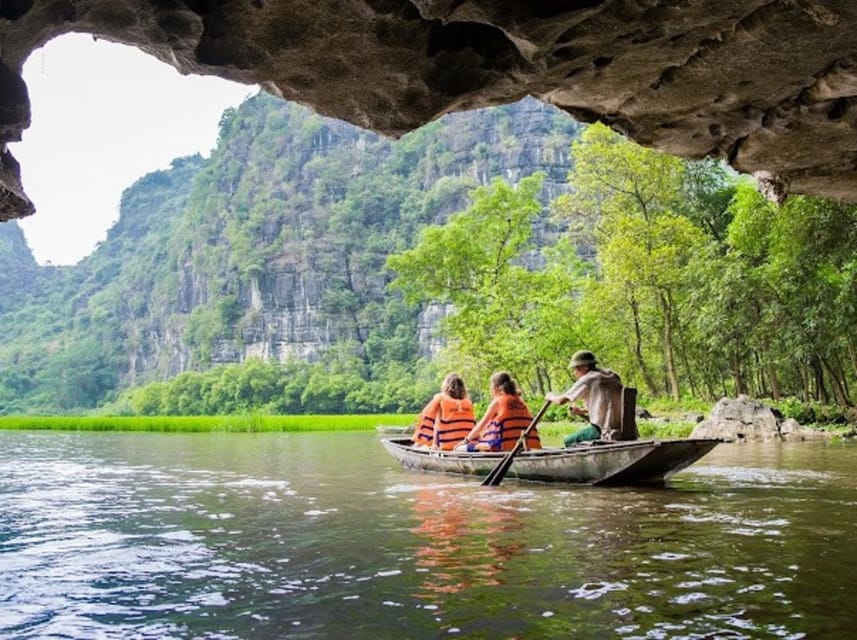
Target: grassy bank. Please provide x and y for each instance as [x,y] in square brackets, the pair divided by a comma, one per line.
[678,426]
[235,424]
[552,432]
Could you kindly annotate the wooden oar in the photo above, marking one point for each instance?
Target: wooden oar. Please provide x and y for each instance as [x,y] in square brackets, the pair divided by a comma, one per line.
[497,473]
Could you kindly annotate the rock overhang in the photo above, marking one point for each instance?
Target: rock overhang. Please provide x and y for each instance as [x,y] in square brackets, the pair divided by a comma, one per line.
[768,85]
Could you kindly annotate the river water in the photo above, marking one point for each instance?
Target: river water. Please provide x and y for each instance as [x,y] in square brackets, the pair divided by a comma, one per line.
[320,535]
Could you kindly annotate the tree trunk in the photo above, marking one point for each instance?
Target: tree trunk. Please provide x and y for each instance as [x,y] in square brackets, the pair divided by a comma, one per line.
[685,361]
[776,390]
[737,374]
[638,347]
[844,378]
[543,381]
[852,355]
[709,387]
[818,377]
[836,384]
[762,371]
[669,347]
[804,379]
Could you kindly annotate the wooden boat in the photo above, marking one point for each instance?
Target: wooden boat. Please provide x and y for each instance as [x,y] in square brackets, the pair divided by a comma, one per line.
[598,462]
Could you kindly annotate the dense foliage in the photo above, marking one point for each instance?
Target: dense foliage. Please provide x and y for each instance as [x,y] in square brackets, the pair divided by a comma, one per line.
[289,388]
[700,287]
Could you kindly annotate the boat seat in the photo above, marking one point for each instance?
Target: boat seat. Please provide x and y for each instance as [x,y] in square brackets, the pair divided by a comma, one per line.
[629,429]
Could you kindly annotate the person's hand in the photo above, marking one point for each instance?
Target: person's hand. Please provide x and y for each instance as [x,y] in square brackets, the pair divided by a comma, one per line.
[577,411]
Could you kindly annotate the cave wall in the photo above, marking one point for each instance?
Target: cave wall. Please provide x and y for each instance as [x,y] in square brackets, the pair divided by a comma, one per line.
[769,85]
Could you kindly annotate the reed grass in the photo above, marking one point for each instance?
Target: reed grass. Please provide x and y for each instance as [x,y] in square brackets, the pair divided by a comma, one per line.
[233,423]
[552,432]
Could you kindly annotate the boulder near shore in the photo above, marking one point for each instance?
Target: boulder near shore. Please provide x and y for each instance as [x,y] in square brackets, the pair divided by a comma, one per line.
[743,419]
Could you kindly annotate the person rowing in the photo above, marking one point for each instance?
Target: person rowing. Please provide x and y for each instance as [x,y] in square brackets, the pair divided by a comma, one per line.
[600,390]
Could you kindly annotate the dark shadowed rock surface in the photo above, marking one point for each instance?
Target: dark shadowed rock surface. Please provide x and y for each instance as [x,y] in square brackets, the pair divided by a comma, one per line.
[768,85]
[745,420]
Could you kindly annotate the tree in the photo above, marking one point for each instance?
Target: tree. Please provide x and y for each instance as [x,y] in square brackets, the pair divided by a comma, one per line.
[505,315]
[644,242]
[803,254]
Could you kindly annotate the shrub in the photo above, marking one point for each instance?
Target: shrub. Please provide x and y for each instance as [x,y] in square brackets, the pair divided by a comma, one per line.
[811,412]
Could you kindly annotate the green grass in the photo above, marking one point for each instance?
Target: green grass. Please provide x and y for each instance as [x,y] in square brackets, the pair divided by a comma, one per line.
[236,423]
[665,407]
[665,430]
[552,433]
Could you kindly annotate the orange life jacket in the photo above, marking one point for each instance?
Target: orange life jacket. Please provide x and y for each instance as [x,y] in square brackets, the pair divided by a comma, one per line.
[510,420]
[424,430]
[454,421]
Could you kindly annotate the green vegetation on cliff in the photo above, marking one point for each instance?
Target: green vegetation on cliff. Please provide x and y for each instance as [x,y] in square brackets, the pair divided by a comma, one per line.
[311,267]
[273,248]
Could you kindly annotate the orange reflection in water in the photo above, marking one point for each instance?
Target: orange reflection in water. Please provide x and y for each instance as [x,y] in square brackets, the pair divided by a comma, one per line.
[468,539]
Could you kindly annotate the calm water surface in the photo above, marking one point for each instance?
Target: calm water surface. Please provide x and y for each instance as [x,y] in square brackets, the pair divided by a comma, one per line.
[323,536]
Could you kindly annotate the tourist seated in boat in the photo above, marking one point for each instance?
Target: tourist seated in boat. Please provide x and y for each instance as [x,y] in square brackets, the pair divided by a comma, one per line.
[447,418]
[600,390]
[506,418]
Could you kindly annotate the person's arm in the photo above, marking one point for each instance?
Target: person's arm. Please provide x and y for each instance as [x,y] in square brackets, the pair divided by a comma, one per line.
[556,398]
[577,411]
[577,390]
[490,412]
[438,411]
[417,425]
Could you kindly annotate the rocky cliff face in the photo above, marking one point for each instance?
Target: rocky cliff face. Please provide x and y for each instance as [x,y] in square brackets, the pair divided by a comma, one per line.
[275,247]
[18,268]
[284,318]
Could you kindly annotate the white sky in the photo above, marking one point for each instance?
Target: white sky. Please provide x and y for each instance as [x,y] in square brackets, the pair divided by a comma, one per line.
[104,115]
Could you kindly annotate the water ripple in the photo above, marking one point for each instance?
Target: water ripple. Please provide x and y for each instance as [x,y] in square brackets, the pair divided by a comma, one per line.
[278,537]
[593,591]
[763,477]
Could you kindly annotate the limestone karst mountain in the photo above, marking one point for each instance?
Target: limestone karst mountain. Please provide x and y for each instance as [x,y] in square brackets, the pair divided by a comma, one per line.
[273,248]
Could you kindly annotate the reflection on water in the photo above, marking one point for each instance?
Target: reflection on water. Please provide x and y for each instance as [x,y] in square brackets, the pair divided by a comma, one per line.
[323,536]
[467,541]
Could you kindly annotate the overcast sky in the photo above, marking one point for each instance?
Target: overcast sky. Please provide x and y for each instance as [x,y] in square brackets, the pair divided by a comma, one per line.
[104,115]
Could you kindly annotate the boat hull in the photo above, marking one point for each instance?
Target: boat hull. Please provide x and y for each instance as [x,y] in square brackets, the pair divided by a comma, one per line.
[634,462]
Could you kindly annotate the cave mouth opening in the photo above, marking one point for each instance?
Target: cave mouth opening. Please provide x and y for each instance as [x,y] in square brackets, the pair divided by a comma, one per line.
[104,115]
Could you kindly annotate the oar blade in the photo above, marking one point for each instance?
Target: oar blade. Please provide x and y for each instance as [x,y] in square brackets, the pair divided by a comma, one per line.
[499,472]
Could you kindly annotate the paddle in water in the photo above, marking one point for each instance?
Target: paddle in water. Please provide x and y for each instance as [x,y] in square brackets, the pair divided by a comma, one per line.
[497,473]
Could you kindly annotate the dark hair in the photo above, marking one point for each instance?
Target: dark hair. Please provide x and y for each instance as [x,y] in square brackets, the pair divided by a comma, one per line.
[453,386]
[505,383]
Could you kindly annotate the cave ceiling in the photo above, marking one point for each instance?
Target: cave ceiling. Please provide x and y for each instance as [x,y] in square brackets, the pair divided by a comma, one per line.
[769,86]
